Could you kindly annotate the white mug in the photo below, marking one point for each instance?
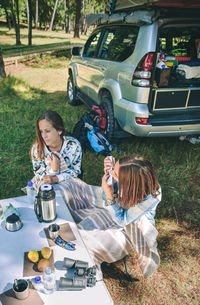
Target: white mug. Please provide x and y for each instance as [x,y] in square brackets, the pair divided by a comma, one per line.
[21,289]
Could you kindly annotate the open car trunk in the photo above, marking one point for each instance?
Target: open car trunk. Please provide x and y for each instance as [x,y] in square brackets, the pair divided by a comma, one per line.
[176,83]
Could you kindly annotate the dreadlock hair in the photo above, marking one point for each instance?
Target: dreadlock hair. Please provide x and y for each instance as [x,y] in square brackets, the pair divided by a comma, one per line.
[137,179]
[55,119]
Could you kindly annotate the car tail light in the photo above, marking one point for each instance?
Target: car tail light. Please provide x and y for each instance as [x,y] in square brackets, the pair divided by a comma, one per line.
[141,121]
[142,74]
[148,62]
[141,82]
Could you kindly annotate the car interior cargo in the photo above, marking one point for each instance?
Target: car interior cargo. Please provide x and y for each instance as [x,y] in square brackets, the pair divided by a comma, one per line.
[178,65]
[142,64]
[178,49]
[176,77]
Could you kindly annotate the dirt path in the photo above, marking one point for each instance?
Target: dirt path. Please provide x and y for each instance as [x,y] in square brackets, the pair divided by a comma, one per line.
[44,78]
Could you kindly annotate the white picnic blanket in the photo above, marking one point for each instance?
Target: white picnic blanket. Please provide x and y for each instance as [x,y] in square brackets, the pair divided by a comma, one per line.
[107,241]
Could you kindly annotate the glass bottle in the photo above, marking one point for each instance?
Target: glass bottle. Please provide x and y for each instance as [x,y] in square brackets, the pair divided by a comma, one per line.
[49,280]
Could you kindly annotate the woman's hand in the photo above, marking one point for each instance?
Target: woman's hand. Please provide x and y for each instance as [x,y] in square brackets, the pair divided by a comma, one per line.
[54,162]
[108,189]
[49,179]
[108,164]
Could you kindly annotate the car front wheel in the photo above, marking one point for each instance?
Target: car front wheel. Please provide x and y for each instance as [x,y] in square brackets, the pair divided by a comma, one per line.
[71,92]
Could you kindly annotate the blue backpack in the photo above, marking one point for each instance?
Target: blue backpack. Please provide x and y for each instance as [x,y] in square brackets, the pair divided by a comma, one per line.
[99,142]
[90,136]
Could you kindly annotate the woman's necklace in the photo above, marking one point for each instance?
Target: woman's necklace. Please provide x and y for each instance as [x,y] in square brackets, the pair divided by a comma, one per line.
[56,147]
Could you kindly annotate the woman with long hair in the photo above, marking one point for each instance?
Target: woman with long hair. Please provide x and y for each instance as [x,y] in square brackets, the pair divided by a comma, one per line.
[116,219]
[135,184]
[56,157]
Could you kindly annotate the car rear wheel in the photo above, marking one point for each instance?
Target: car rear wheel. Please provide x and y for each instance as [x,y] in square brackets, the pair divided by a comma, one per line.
[110,125]
[71,92]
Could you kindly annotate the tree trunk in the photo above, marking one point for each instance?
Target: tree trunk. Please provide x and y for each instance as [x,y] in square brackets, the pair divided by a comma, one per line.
[2,69]
[84,23]
[84,26]
[40,22]
[6,5]
[65,15]
[53,16]
[27,12]
[7,19]
[77,18]
[30,23]
[68,17]
[16,24]
[36,14]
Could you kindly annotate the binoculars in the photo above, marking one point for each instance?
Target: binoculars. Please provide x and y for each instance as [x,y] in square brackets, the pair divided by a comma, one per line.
[83,275]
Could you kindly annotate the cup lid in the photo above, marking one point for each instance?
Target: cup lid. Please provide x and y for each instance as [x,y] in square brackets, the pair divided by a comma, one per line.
[46,187]
[12,218]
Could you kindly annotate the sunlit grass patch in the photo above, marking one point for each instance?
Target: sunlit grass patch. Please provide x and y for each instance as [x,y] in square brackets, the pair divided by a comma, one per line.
[176,281]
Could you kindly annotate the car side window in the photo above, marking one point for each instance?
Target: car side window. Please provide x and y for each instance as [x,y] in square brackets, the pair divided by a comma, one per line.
[108,38]
[91,45]
[119,43]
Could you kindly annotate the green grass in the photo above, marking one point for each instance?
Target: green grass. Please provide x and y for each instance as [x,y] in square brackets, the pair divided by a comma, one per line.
[19,108]
[39,39]
[176,163]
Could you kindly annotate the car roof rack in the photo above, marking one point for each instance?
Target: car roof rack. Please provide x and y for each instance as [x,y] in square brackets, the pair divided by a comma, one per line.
[121,5]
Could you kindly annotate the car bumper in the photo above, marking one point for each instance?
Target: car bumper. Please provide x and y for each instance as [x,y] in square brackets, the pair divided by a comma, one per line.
[126,113]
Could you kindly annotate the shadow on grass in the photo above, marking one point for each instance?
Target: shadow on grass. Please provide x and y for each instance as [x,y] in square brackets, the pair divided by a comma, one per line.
[45,36]
[173,169]
[112,271]
[50,37]
[115,272]
[176,164]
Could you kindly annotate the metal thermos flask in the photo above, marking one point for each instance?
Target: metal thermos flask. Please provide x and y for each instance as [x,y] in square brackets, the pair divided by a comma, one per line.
[45,204]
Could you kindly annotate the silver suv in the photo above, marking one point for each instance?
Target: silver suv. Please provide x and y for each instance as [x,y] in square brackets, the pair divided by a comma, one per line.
[143,66]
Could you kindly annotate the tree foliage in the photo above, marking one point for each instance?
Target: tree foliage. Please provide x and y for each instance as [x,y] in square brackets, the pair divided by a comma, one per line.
[50,14]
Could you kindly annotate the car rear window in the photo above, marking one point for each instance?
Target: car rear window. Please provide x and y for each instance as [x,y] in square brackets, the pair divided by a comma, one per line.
[119,43]
[180,41]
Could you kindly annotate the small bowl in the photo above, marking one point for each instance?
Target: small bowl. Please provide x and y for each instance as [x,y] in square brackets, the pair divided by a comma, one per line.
[13,223]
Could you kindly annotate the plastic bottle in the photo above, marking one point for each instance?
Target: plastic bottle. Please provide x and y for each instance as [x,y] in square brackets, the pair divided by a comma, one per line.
[161,65]
[37,283]
[30,192]
[49,281]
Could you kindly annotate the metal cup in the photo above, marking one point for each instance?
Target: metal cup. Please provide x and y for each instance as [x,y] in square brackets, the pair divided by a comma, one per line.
[21,289]
[53,230]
